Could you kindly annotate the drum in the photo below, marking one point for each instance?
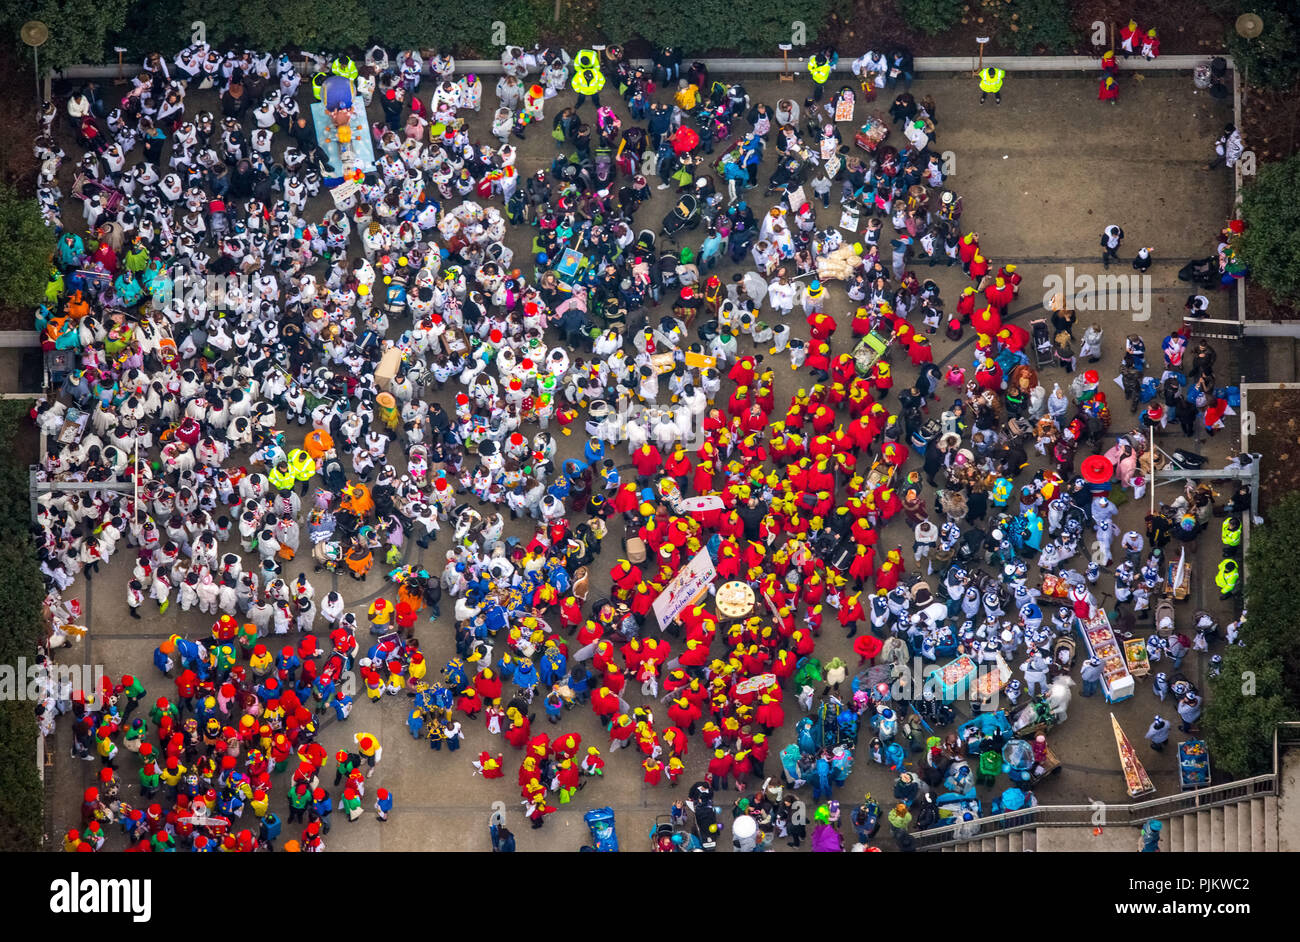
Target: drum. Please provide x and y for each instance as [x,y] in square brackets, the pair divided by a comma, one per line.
[734,600]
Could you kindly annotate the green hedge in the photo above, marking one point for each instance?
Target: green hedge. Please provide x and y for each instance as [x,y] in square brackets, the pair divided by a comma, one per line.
[28,244]
[1028,27]
[22,797]
[755,27]
[1270,245]
[931,17]
[1271,59]
[1259,685]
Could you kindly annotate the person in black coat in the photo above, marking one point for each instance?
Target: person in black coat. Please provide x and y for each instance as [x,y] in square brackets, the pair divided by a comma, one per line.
[901,67]
[933,462]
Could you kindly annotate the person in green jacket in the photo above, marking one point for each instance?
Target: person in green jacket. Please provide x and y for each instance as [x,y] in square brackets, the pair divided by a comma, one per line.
[134,692]
[148,779]
[137,257]
[299,799]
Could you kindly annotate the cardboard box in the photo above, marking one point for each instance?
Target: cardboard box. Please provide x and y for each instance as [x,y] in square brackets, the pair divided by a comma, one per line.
[388,367]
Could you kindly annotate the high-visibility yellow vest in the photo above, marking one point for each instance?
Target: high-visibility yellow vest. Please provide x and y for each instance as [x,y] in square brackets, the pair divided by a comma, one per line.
[301,465]
[991,79]
[588,81]
[283,480]
[1227,576]
[1231,535]
[317,81]
[345,67]
[820,69]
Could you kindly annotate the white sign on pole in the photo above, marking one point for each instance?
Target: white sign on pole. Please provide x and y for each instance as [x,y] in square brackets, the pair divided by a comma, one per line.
[687,586]
[344,192]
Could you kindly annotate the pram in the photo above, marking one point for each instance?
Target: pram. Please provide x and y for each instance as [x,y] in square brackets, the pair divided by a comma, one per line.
[704,815]
[667,837]
[604,837]
[685,216]
[870,349]
[84,187]
[1040,341]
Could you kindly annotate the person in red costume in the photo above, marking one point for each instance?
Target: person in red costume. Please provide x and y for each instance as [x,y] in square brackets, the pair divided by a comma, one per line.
[743,373]
[891,571]
[719,770]
[821,326]
[989,376]
[967,248]
[654,771]
[647,462]
[850,614]
[518,731]
[488,684]
[605,703]
[621,732]
[678,464]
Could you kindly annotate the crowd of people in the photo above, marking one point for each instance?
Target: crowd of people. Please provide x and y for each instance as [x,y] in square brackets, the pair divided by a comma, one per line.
[381,374]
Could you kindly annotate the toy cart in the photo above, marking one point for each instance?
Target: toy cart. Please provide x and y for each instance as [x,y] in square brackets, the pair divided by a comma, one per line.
[1135,653]
[74,426]
[604,838]
[731,153]
[1050,765]
[872,133]
[1193,764]
[1033,718]
[881,474]
[1178,581]
[869,350]
[455,342]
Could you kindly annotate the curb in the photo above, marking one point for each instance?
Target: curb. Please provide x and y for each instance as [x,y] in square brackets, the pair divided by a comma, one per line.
[774,66]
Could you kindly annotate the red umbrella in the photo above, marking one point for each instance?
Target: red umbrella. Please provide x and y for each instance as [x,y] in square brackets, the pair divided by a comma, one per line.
[685,141]
[1097,469]
[867,646]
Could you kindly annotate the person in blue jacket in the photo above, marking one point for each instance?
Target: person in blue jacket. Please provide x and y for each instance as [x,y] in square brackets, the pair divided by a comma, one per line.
[821,778]
[503,842]
[525,673]
[342,707]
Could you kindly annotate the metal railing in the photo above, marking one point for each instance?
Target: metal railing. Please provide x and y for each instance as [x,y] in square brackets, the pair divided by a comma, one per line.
[1130,815]
[1109,815]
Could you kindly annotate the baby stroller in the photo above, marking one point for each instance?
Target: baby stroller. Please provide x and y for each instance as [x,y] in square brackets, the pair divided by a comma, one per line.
[704,815]
[685,216]
[1041,341]
[645,243]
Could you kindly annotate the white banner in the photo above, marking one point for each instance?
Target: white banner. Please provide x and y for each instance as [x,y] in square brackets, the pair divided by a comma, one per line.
[692,505]
[687,586]
[344,191]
